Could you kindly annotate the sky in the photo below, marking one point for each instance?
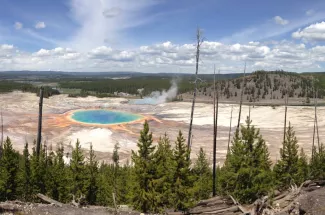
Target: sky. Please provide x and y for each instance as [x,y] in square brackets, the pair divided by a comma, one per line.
[160,35]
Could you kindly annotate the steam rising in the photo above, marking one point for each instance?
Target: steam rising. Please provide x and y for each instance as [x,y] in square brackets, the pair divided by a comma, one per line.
[157,97]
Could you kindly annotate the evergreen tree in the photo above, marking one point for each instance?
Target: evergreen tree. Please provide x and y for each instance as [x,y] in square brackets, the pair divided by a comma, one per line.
[143,165]
[165,168]
[286,169]
[92,173]
[203,174]
[183,181]
[9,167]
[116,159]
[105,185]
[303,167]
[246,173]
[78,172]
[25,175]
[317,167]
[38,171]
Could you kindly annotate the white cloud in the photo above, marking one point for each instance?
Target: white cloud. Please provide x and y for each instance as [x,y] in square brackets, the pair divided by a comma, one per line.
[168,57]
[267,29]
[280,21]
[310,12]
[102,22]
[314,32]
[18,25]
[40,25]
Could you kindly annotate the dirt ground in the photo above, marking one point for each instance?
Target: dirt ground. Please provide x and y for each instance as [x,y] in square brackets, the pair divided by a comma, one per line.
[20,112]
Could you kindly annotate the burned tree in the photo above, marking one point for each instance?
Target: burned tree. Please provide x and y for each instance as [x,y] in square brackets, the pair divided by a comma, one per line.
[198,45]
[241,98]
[39,130]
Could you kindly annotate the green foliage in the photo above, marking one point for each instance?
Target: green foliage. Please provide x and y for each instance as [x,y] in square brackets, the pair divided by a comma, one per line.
[143,164]
[164,172]
[203,177]
[92,174]
[247,174]
[317,167]
[8,172]
[286,169]
[78,172]
[25,175]
[303,167]
[183,180]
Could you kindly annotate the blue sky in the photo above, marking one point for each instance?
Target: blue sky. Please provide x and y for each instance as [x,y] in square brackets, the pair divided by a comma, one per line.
[155,35]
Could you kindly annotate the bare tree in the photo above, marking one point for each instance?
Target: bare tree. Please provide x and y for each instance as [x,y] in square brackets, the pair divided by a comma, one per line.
[241,97]
[285,114]
[39,130]
[228,148]
[1,143]
[315,120]
[198,45]
[215,129]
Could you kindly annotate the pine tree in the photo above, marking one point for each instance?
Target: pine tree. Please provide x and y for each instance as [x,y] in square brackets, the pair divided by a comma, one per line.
[78,172]
[183,181]
[38,171]
[9,172]
[203,174]
[25,175]
[303,167]
[286,168]
[143,165]
[92,173]
[246,173]
[165,168]
[317,167]
[116,159]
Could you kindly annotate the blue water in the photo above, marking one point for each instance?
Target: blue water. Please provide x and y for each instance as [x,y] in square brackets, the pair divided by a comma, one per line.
[105,117]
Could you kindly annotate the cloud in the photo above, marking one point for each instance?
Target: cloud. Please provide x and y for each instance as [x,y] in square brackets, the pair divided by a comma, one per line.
[267,29]
[112,12]
[102,22]
[169,57]
[18,25]
[314,32]
[40,25]
[280,21]
[310,12]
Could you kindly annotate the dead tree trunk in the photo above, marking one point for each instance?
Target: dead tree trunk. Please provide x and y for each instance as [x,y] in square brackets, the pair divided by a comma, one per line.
[1,143]
[198,45]
[285,115]
[318,144]
[214,134]
[229,130]
[315,115]
[241,99]
[39,131]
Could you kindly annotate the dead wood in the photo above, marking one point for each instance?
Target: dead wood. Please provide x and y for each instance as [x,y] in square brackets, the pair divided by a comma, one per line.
[241,208]
[49,200]
[229,209]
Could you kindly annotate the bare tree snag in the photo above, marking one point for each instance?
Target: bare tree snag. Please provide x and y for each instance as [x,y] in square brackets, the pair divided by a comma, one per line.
[39,130]
[1,143]
[241,98]
[285,114]
[229,134]
[198,45]
[214,135]
[114,201]
[49,200]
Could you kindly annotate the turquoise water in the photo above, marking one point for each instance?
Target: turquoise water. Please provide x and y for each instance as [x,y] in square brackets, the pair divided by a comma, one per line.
[105,117]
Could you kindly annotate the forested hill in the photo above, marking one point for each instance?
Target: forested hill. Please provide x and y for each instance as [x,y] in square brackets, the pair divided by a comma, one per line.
[266,87]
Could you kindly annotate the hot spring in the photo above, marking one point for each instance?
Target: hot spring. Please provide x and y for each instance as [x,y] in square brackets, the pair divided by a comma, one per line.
[104,117]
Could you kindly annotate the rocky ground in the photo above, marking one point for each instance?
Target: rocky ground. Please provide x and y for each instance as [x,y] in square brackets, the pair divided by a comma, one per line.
[25,208]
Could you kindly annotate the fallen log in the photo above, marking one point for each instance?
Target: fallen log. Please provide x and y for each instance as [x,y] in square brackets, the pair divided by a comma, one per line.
[49,200]
[241,208]
[201,209]
[205,202]
[231,209]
